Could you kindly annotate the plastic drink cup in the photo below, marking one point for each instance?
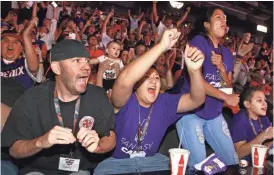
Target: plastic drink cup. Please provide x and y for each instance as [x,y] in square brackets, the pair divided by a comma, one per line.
[178,160]
[258,154]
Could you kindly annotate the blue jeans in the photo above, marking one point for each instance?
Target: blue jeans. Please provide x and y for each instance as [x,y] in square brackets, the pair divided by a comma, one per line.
[8,168]
[193,131]
[158,162]
[80,172]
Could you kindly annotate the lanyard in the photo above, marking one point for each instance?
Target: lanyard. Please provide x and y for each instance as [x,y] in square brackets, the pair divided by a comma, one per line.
[252,125]
[219,48]
[60,118]
[141,133]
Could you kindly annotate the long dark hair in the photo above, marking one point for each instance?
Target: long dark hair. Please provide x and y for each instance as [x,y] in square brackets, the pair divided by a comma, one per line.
[209,14]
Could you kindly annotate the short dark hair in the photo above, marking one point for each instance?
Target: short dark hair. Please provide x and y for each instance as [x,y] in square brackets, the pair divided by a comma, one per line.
[246,95]
[210,12]
[92,36]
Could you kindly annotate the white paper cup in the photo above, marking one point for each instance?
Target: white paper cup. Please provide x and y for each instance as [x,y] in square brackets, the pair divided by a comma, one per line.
[178,160]
[227,90]
[257,171]
[258,154]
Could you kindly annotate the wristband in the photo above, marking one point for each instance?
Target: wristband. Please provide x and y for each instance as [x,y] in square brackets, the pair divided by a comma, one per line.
[239,56]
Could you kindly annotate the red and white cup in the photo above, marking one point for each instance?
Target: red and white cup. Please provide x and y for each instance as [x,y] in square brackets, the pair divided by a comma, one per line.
[257,171]
[258,154]
[178,160]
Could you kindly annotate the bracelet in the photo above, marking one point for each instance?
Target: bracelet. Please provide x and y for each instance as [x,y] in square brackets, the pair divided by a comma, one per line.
[239,56]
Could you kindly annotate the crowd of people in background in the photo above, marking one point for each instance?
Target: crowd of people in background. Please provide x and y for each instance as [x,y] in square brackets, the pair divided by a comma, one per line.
[148,67]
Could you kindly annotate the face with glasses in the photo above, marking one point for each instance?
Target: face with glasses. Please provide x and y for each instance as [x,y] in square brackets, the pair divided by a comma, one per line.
[217,24]
[73,74]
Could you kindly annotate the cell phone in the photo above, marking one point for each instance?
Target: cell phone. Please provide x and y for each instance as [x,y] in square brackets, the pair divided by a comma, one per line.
[103,17]
[29,4]
[54,4]
[72,36]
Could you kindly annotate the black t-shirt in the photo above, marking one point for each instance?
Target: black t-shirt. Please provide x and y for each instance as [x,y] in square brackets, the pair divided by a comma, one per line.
[25,13]
[33,115]
[11,91]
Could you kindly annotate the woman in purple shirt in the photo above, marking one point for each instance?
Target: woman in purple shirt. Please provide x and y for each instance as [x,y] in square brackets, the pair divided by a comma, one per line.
[251,125]
[207,121]
[143,114]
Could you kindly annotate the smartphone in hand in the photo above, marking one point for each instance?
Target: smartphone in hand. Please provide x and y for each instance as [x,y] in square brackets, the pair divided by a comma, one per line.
[54,4]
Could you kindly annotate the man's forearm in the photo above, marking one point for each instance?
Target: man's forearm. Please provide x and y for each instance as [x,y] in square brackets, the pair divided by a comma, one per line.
[107,143]
[169,79]
[225,78]
[31,57]
[24,148]
[197,88]
[213,92]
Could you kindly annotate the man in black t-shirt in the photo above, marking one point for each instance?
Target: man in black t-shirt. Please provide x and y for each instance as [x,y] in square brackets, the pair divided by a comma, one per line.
[11,90]
[63,126]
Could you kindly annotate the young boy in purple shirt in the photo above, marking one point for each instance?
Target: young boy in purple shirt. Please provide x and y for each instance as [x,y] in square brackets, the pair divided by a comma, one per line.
[251,125]
[143,115]
[207,122]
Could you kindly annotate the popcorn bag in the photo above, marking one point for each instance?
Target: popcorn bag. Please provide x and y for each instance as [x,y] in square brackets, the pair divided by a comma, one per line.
[211,165]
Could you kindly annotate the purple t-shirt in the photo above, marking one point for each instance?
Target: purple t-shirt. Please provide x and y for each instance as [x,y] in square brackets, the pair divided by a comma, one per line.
[17,70]
[212,106]
[126,127]
[241,129]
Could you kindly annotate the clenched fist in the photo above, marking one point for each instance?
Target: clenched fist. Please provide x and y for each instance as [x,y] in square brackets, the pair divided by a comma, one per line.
[89,139]
[57,135]
[194,58]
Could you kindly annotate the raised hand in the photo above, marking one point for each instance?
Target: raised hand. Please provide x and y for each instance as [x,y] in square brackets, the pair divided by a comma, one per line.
[169,38]
[105,65]
[57,135]
[194,58]
[73,25]
[89,139]
[217,60]
[32,24]
[245,49]
[143,23]
[188,9]
[247,37]
[14,18]
[9,17]
[96,12]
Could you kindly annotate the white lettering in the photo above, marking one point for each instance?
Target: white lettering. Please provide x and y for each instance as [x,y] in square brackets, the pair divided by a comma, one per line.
[20,70]
[215,84]
[14,73]
[129,148]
